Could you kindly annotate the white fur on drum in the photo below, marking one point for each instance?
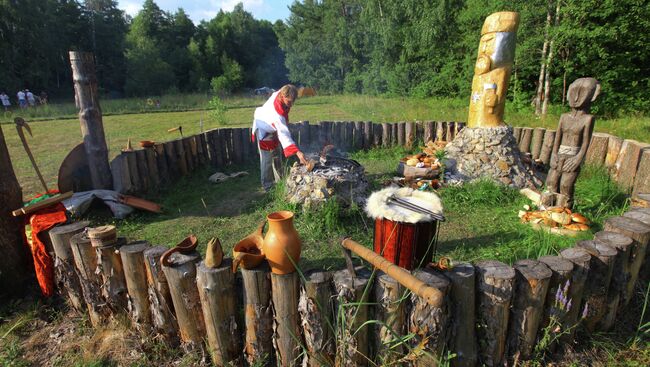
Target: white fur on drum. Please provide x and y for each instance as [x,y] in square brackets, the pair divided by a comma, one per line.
[378,207]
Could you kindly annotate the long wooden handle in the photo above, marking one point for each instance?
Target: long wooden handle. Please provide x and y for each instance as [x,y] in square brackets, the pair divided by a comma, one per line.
[432,295]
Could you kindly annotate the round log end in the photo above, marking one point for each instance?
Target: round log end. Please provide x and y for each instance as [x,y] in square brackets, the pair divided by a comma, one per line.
[597,248]
[613,239]
[317,276]
[224,267]
[495,269]
[533,270]
[557,264]
[69,228]
[80,239]
[461,271]
[134,247]
[178,259]
[627,224]
[639,215]
[576,255]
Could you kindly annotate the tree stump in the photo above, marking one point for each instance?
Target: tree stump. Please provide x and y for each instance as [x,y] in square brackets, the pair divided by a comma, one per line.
[430,325]
[463,314]
[258,316]
[600,275]
[368,136]
[160,299]
[390,311]
[401,134]
[377,135]
[547,147]
[531,284]
[181,277]
[85,259]
[558,287]
[352,296]
[640,235]
[597,149]
[580,259]
[317,319]
[620,274]
[286,336]
[217,292]
[613,149]
[410,132]
[536,144]
[113,281]
[525,140]
[135,273]
[495,288]
[66,276]
[121,174]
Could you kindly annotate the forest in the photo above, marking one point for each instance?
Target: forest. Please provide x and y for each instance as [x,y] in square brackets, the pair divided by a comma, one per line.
[420,48]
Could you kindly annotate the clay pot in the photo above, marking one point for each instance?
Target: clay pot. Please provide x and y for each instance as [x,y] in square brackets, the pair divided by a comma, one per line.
[282,244]
[248,252]
[147,143]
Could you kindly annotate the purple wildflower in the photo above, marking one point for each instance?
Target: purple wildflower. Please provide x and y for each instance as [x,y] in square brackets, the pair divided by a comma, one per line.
[568,306]
[585,310]
[566,287]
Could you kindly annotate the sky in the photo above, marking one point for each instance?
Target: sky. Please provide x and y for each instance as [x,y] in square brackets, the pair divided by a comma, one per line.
[199,10]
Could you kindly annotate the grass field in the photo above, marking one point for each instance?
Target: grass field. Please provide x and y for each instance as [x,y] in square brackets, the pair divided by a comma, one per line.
[53,139]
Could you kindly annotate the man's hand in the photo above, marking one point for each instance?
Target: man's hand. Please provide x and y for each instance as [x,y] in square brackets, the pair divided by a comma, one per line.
[301,157]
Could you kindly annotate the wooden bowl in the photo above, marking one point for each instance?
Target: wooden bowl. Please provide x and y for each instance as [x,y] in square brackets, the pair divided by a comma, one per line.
[147,143]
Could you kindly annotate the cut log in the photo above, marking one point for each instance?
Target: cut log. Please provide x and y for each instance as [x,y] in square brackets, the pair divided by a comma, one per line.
[358,135]
[317,319]
[217,292]
[495,289]
[430,325]
[525,140]
[613,149]
[531,284]
[597,149]
[160,298]
[642,179]
[440,131]
[66,276]
[580,259]
[547,147]
[628,162]
[285,290]
[401,134]
[600,276]
[377,133]
[136,283]
[623,245]
[181,277]
[258,316]
[386,131]
[143,170]
[410,131]
[85,259]
[516,133]
[134,175]
[121,174]
[463,314]
[152,165]
[640,234]
[536,144]
[390,312]
[352,295]
[556,297]
[368,136]
[110,267]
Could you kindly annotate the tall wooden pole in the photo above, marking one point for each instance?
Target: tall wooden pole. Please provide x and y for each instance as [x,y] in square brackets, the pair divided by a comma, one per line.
[15,268]
[90,117]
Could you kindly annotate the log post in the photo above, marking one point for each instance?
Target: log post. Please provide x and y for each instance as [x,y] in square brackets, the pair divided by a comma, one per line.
[623,246]
[135,273]
[336,134]
[613,149]
[180,157]
[211,146]
[580,259]
[547,147]
[440,131]
[160,299]
[134,175]
[640,235]
[181,277]
[495,287]
[358,135]
[463,314]
[526,138]
[597,149]
[390,311]
[317,319]
[161,164]
[450,130]
[627,163]
[64,268]
[228,141]
[222,148]
[90,117]
[642,179]
[401,134]
[107,246]
[429,131]
[419,131]
[368,137]
[393,134]
[386,131]
[286,337]
[347,131]
[173,165]
[238,156]
[562,270]
[217,292]
[85,259]
[304,134]
[600,275]
[258,316]
[516,133]
[189,153]
[143,170]
[409,134]
[531,284]
[352,294]
[325,133]
[121,174]
[377,132]
[430,325]
[152,165]
[536,144]
[201,148]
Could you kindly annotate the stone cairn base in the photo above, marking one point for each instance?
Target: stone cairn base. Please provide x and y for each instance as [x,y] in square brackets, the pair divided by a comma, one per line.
[490,153]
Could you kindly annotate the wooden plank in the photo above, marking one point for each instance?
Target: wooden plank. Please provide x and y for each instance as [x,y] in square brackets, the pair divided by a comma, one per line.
[181,157]
[189,153]
[228,141]
[161,163]
[134,174]
[173,166]
[42,204]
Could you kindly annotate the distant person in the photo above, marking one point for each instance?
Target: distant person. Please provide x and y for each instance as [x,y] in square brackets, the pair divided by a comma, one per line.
[22,101]
[43,97]
[30,98]
[6,103]
[270,128]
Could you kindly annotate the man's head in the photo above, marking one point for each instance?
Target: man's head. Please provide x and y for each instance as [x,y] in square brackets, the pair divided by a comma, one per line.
[289,93]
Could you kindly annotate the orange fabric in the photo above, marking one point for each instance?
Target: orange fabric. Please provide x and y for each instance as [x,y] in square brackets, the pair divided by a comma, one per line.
[41,221]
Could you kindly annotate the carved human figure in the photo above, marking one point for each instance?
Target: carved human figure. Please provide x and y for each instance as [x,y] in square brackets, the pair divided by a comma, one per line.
[571,141]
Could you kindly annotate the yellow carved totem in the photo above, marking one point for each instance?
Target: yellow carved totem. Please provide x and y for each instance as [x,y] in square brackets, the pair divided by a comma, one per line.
[496,54]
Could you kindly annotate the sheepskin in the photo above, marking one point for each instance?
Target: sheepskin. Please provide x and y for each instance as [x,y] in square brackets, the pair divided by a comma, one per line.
[378,207]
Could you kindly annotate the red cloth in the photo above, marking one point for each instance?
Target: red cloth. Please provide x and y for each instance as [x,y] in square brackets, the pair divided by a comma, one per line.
[41,221]
[281,108]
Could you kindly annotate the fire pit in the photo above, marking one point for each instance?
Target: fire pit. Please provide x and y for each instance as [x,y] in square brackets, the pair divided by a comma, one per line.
[331,177]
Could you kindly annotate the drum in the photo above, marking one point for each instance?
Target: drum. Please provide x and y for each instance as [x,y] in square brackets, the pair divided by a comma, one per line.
[401,237]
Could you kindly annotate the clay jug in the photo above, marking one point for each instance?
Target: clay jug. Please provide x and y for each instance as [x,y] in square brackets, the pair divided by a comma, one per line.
[281,242]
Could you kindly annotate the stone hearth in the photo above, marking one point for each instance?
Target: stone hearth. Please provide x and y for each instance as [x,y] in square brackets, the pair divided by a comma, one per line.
[490,153]
[336,178]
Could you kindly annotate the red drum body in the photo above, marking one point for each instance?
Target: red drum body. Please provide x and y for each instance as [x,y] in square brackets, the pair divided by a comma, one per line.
[408,245]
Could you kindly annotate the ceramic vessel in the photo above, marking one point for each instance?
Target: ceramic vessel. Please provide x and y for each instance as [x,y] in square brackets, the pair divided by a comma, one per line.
[247,253]
[282,244]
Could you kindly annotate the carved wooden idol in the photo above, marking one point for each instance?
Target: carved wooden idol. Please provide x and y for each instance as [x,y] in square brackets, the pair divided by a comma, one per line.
[496,54]
[571,142]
